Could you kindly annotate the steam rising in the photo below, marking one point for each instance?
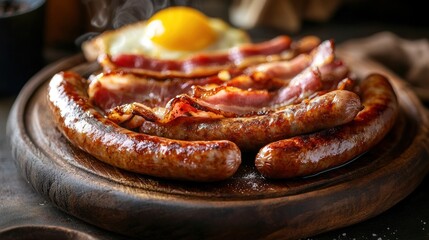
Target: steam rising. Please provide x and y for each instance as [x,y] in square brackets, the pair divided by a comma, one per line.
[108,14]
[99,12]
[133,11]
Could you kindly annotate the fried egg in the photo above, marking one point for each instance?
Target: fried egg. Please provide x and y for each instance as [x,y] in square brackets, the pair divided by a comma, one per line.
[172,33]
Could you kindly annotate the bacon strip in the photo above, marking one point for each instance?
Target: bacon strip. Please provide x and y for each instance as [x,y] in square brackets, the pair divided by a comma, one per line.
[248,102]
[206,64]
[112,89]
[286,69]
[232,99]
[142,99]
[135,114]
[234,56]
[223,102]
[108,92]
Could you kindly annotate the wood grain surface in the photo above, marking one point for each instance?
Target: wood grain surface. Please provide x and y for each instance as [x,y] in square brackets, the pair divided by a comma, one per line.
[245,206]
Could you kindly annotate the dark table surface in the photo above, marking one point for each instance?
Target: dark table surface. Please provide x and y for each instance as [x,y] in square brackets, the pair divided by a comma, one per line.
[26,214]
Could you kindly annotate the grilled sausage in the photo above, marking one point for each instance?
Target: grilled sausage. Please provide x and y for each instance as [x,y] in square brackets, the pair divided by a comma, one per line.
[326,111]
[310,154]
[86,128]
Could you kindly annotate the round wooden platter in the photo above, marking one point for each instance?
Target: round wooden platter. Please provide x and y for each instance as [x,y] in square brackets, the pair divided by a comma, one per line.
[247,206]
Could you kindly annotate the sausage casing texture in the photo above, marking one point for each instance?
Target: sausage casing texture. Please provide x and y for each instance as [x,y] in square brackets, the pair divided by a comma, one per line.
[310,154]
[86,128]
[329,110]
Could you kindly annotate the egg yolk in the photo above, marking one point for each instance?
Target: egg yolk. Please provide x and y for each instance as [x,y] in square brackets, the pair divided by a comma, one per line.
[181,28]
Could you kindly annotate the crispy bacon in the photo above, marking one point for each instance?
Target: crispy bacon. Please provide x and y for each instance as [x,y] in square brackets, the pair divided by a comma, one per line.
[133,115]
[111,89]
[234,56]
[299,88]
[233,99]
[221,102]
[107,91]
[333,73]
[206,64]
[286,69]
[130,99]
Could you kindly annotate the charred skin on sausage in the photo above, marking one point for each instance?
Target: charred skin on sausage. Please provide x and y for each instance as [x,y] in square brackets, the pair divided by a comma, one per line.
[87,129]
[310,154]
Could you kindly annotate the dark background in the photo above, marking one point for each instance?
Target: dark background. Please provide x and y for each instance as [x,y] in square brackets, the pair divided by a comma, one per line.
[67,20]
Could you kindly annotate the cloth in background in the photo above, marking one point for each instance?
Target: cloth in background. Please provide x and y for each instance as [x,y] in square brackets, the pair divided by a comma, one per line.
[409,59]
[286,15]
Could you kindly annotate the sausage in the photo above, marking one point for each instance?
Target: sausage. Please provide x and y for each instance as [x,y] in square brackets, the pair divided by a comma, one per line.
[86,128]
[326,111]
[310,154]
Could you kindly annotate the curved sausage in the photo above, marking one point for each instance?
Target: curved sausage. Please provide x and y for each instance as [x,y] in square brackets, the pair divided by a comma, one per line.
[86,128]
[326,111]
[310,154]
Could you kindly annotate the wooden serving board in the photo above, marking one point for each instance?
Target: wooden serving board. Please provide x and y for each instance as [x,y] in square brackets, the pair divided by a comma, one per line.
[246,206]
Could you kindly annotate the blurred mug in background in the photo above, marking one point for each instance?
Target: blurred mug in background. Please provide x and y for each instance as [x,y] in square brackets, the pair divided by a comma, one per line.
[21,42]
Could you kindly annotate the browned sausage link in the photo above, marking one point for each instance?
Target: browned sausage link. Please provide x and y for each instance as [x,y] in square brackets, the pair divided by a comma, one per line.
[310,154]
[82,125]
[329,110]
